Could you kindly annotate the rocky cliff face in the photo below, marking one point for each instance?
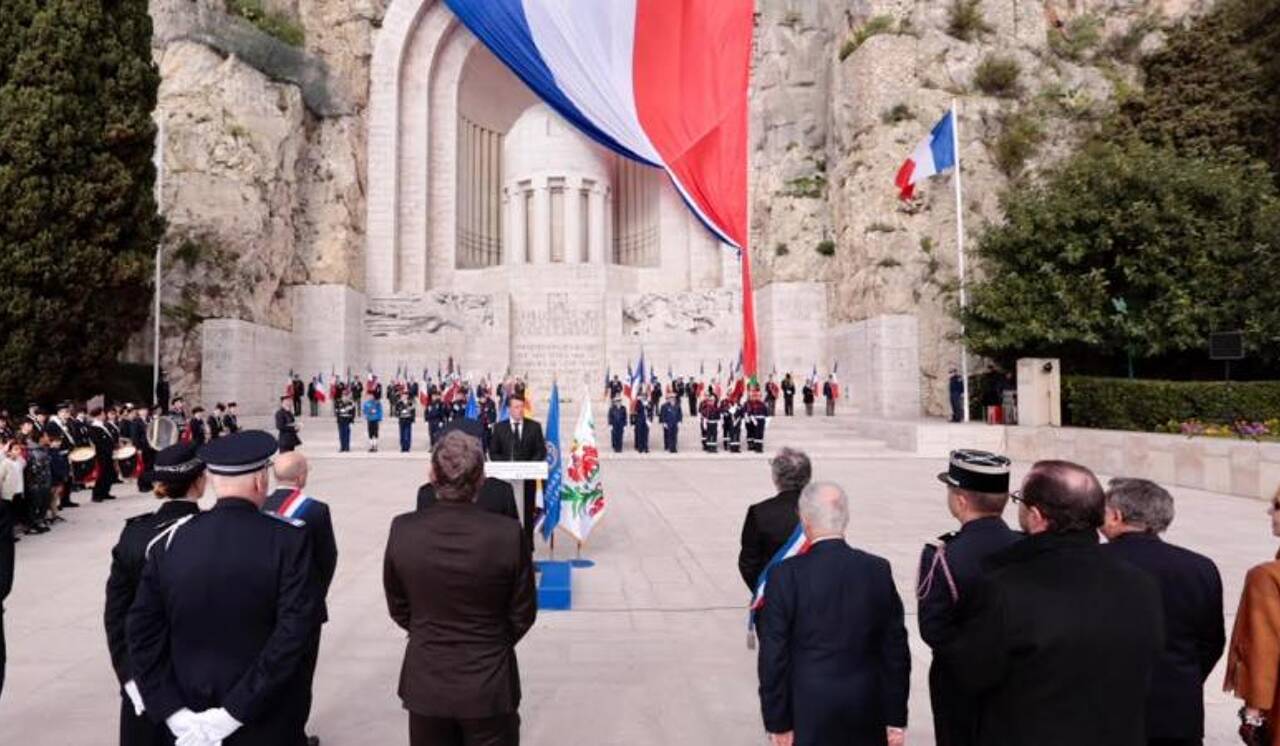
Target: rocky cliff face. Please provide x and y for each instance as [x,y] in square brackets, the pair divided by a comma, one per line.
[844,90]
[264,159]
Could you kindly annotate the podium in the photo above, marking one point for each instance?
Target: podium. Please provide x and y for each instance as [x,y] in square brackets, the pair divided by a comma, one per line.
[555,589]
[513,471]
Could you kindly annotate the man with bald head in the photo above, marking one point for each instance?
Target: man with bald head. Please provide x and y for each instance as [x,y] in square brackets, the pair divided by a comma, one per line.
[1060,643]
[834,665]
[290,502]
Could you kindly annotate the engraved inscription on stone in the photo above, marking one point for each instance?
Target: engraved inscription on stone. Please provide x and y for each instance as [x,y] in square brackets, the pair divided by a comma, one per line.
[430,313]
[557,335]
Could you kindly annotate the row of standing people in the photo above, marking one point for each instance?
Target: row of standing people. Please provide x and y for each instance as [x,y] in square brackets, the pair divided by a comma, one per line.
[728,415]
[1039,637]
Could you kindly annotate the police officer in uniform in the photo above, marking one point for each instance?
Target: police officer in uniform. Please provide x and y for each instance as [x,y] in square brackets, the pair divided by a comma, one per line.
[344,411]
[290,502]
[218,639]
[950,568]
[670,416]
[436,415]
[617,424]
[178,478]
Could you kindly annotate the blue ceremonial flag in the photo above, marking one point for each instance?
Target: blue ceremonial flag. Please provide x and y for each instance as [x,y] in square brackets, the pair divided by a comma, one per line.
[555,476]
[473,406]
[640,368]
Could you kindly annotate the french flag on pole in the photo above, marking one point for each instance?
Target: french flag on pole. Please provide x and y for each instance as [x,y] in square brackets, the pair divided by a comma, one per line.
[933,155]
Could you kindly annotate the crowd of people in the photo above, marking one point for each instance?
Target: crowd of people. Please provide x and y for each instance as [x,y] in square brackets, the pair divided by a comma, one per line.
[1039,637]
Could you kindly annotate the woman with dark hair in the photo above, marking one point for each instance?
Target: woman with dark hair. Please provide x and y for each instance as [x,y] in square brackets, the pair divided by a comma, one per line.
[178,478]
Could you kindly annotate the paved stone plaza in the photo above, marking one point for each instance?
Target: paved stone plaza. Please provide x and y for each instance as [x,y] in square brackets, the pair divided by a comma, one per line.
[654,652]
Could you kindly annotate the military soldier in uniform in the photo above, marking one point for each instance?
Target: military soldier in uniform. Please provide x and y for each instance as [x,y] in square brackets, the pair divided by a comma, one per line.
[950,568]
[757,415]
[731,424]
[406,413]
[288,501]
[178,477]
[436,415]
[788,395]
[344,411]
[287,427]
[218,639]
[640,421]
[617,424]
[709,420]
[670,416]
[230,421]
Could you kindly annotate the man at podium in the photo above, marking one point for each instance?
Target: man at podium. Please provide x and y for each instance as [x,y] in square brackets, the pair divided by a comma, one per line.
[520,439]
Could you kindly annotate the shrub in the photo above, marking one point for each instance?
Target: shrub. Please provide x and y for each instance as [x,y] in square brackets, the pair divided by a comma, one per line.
[1020,138]
[877,25]
[273,24]
[965,20]
[898,113]
[809,187]
[1080,35]
[826,247]
[1125,404]
[997,76]
[1124,46]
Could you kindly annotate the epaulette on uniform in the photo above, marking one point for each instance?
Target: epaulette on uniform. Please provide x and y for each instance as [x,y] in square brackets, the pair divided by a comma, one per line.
[295,522]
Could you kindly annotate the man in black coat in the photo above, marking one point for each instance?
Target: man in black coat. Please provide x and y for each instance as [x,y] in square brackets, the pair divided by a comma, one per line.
[617,424]
[217,638]
[951,568]
[834,665]
[290,502]
[769,523]
[103,448]
[287,427]
[1063,638]
[1138,511]
[459,580]
[520,439]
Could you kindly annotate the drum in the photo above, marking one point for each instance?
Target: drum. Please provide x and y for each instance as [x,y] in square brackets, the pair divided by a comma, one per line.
[124,452]
[81,455]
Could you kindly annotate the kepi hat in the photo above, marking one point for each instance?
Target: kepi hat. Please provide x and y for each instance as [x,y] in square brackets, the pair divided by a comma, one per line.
[239,453]
[977,471]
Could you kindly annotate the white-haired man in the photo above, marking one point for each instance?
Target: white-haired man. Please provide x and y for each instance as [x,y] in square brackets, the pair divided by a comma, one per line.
[834,665]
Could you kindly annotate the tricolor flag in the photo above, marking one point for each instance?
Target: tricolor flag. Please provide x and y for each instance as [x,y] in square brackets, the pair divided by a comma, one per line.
[796,544]
[933,155]
[321,396]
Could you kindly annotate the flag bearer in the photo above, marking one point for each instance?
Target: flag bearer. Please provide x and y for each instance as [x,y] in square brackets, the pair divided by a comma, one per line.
[640,422]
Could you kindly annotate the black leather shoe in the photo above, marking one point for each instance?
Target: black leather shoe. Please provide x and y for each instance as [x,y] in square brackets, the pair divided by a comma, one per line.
[68,504]
[313,740]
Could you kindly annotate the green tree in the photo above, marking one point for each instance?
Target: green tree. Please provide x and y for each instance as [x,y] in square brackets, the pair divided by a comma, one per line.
[1131,251]
[1214,88]
[78,222]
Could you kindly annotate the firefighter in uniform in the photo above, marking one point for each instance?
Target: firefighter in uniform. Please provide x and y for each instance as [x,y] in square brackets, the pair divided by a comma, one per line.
[977,484]
[406,413]
[709,420]
[756,413]
[640,421]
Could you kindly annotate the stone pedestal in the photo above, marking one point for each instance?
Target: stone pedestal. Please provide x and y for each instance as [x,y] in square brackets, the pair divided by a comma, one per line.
[245,363]
[1039,392]
[879,361]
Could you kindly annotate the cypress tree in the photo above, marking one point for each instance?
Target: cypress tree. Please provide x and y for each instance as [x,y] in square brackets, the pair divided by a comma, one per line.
[78,219]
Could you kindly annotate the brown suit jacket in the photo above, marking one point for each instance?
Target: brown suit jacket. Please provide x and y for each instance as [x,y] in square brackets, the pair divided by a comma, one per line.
[459,580]
[1253,659]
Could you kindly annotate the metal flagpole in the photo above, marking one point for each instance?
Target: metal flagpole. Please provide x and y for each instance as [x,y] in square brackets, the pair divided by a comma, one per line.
[159,157]
[964,351]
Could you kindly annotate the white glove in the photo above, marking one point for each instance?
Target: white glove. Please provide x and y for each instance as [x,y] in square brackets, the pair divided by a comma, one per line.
[218,724]
[183,724]
[135,696]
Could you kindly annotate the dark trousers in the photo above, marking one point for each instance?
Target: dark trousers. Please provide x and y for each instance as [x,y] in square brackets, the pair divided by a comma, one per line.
[297,407]
[957,404]
[406,435]
[139,730]
[615,439]
[306,677]
[530,499]
[789,405]
[344,436]
[669,437]
[106,477]
[373,429]
[315,408]
[693,407]
[499,730]
[3,654]
[642,439]
[831,407]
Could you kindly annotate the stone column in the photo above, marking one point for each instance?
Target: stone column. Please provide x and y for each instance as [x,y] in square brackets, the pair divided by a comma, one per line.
[573,218]
[516,238]
[540,241]
[595,228]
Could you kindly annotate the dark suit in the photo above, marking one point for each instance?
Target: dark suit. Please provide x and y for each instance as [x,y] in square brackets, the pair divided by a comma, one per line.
[1058,603]
[955,720]
[459,579]
[128,558]
[532,447]
[1194,632]
[834,665]
[324,560]
[767,527]
[218,628]
[287,427]
[103,447]
[496,496]
[6,573]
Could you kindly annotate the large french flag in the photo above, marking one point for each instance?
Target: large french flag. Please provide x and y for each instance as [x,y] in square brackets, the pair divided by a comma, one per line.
[933,155]
[664,82]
